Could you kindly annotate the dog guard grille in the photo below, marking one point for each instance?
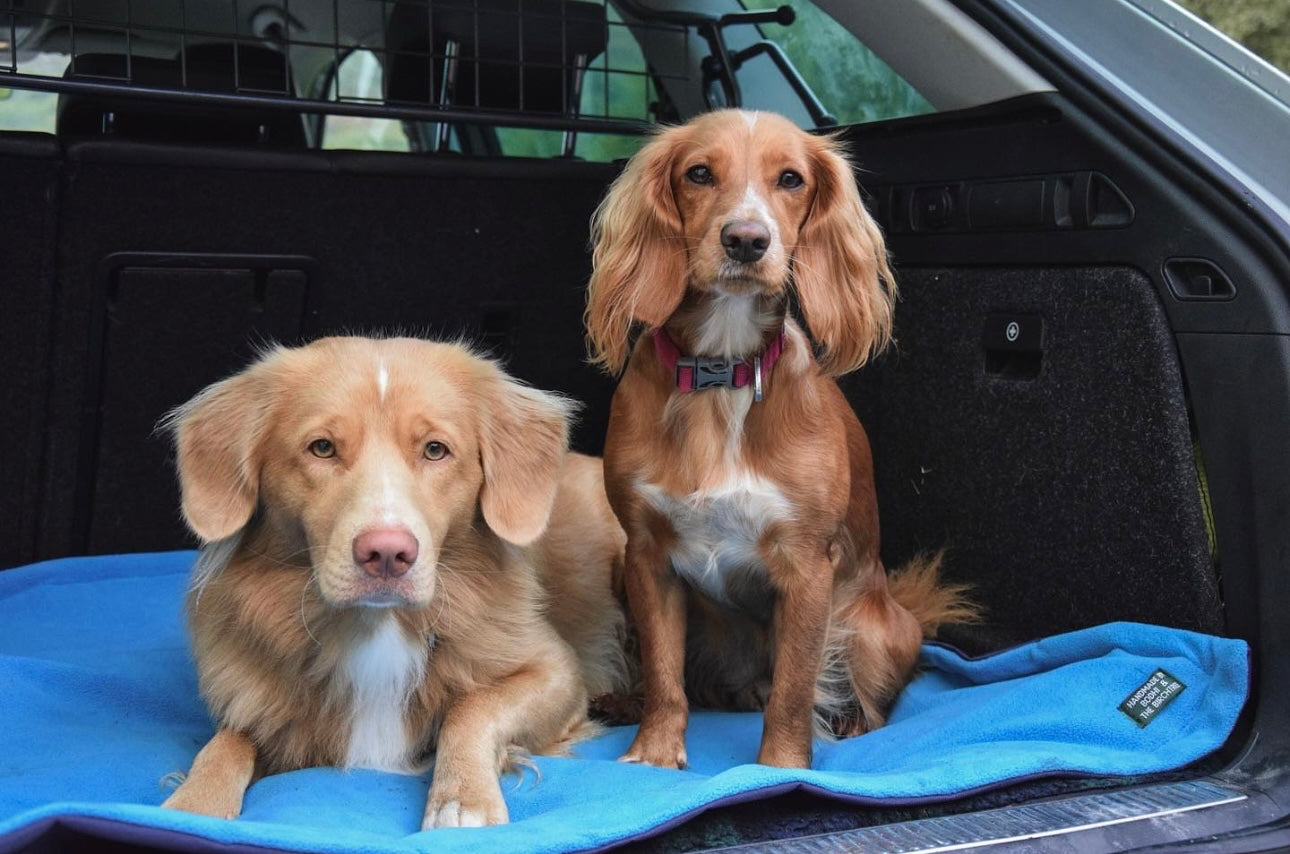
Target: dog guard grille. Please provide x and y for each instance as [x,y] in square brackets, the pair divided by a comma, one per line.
[517,63]
[571,65]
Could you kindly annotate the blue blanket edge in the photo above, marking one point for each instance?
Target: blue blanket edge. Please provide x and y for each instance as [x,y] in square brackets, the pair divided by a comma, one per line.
[31,824]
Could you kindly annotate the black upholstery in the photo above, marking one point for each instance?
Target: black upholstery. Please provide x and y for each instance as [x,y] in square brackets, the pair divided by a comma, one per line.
[208,251]
[1066,492]
[29,169]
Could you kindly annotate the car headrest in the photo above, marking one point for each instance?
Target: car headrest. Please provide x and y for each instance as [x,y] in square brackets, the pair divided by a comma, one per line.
[512,54]
[222,68]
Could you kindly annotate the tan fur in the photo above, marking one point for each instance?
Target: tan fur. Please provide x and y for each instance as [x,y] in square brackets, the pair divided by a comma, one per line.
[280,603]
[581,614]
[219,777]
[812,622]
[655,238]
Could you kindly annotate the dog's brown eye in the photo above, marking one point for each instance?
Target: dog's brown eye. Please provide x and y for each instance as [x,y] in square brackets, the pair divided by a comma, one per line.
[699,175]
[322,448]
[436,450]
[790,180]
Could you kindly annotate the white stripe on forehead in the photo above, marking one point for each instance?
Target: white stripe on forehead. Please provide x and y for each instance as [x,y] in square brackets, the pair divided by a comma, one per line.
[382,378]
[750,116]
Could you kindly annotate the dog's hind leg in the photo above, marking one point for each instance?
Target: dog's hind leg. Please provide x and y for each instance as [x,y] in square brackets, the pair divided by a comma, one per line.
[884,640]
[219,777]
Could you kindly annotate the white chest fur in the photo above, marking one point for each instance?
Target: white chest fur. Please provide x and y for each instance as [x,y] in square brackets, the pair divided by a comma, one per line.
[382,671]
[717,535]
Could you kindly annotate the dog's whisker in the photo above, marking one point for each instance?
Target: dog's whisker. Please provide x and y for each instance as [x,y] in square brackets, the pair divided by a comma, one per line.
[304,616]
[441,602]
[288,560]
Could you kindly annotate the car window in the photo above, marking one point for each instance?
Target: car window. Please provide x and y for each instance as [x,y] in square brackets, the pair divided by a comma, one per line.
[360,79]
[26,109]
[850,80]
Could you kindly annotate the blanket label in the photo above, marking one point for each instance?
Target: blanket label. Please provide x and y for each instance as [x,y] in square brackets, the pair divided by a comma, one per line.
[1149,700]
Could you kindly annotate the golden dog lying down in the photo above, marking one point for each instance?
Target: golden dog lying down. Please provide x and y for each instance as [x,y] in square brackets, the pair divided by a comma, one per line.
[380,581]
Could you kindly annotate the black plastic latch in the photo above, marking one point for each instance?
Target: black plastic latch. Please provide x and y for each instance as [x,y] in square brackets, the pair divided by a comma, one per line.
[1198,279]
[1014,345]
[1017,332]
[934,208]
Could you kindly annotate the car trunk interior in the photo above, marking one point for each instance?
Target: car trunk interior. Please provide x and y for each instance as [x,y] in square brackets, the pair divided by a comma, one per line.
[1084,406]
[1061,469]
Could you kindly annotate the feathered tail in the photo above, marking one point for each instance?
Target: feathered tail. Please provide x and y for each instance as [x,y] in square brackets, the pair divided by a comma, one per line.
[917,587]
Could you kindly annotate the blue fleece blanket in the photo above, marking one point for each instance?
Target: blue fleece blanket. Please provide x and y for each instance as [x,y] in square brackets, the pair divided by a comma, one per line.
[98,703]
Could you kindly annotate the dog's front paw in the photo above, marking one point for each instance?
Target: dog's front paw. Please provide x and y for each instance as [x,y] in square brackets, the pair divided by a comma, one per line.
[783,753]
[459,804]
[194,798]
[652,749]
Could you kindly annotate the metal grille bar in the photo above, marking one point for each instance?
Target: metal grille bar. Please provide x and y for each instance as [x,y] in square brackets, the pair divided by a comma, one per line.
[348,107]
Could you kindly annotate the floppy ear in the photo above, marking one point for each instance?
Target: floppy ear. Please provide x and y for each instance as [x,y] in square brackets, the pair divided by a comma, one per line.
[638,260]
[216,442]
[523,442]
[840,270]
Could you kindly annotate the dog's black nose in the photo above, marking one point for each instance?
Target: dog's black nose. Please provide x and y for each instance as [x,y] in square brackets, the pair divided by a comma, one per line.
[745,241]
[385,552]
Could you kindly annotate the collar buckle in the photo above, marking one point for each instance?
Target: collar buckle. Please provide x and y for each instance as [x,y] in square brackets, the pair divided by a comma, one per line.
[707,372]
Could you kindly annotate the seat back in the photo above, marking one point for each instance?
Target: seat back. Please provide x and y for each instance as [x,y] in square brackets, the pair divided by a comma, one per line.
[509,54]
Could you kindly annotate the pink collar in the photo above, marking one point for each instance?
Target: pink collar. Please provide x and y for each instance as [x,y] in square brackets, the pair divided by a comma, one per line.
[695,373]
